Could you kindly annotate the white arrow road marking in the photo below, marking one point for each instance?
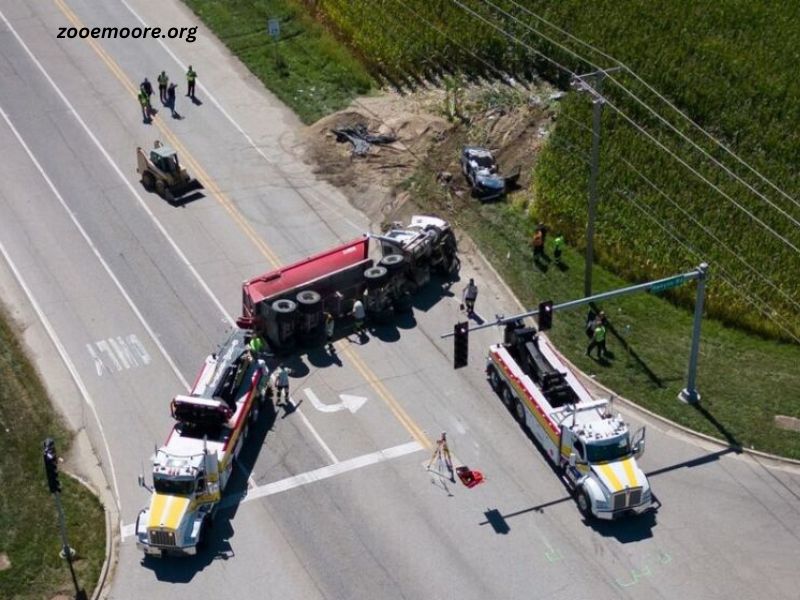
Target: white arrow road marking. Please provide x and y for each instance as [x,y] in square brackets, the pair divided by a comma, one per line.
[351,403]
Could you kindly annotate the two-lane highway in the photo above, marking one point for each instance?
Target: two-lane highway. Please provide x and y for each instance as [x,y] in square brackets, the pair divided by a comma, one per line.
[327,502]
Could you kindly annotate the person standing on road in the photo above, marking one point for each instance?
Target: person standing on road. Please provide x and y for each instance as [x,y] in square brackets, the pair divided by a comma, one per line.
[171,99]
[469,296]
[147,88]
[163,82]
[598,340]
[191,75]
[330,326]
[359,315]
[281,377]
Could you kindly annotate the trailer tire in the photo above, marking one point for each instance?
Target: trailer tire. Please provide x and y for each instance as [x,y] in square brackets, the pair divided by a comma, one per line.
[308,301]
[584,503]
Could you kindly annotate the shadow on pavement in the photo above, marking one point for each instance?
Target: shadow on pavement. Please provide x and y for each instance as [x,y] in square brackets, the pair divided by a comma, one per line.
[695,462]
[217,544]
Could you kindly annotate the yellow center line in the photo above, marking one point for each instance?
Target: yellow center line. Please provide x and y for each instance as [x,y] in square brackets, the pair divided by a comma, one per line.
[210,185]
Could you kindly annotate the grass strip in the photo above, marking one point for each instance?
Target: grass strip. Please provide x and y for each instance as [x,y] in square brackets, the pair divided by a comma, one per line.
[28,520]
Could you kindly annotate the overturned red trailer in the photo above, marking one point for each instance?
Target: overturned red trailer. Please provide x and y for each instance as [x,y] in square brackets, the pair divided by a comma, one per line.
[287,304]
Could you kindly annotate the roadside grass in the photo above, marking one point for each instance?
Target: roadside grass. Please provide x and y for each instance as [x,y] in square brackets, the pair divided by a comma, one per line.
[306,68]
[28,519]
[744,380]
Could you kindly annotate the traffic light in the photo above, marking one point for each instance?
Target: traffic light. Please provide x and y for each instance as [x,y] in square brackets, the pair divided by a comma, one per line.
[51,465]
[460,345]
[545,315]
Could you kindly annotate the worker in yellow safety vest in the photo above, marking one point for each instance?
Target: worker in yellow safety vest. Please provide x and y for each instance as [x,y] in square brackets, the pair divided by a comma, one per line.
[191,76]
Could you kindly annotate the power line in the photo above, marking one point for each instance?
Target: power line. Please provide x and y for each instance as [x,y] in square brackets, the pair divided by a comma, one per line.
[628,195]
[760,307]
[710,233]
[652,111]
[640,129]
[661,97]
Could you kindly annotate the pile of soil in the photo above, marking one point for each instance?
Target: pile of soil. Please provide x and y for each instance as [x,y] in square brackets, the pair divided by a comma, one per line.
[425,139]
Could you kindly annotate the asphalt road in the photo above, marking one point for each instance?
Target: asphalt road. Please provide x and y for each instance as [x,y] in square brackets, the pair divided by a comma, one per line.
[134,293]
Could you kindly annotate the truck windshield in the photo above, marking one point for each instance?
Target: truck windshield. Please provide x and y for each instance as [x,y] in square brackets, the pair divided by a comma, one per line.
[617,449]
[174,487]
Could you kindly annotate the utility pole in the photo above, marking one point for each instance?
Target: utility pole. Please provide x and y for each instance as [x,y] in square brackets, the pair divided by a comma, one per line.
[580,83]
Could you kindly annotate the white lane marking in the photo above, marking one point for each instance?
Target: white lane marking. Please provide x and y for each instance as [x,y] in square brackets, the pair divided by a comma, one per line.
[330,471]
[320,474]
[70,367]
[128,352]
[232,121]
[314,432]
[94,248]
[127,530]
[99,365]
[351,403]
[121,175]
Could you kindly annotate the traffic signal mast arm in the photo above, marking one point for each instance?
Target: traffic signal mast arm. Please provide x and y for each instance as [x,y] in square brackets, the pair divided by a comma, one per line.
[655,286]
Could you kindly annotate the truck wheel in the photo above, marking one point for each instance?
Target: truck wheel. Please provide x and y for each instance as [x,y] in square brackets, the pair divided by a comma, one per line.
[507,396]
[584,504]
[254,414]
[161,188]
[494,379]
[375,276]
[148,181]
[519,412]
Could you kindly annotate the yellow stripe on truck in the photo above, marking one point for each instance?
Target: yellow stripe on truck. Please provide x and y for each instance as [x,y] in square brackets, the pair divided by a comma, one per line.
[627,464]
[610,476]
[157,504]
[167,511]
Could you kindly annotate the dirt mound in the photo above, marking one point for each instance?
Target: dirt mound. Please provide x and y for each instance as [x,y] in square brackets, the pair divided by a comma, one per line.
[371,180]
[512,124]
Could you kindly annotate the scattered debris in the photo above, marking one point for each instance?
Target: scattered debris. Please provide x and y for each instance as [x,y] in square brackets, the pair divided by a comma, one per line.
[361,138]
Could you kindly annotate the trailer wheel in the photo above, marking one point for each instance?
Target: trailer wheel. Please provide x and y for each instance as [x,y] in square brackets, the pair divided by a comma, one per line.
[584,504]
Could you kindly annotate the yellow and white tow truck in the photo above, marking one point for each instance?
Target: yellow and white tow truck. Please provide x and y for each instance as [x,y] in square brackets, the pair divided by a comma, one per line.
[592,448]
[191,469]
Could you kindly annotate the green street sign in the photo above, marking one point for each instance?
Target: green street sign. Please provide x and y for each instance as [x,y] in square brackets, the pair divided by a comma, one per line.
[667,284]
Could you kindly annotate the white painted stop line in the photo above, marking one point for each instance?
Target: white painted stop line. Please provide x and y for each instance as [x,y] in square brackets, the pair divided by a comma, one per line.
[295,481]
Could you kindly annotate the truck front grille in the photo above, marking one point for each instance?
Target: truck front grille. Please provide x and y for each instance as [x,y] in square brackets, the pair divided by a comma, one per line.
[162,538]
[627,498]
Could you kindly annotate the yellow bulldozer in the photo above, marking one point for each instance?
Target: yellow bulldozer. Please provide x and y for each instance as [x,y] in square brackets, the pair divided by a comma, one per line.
[162,172]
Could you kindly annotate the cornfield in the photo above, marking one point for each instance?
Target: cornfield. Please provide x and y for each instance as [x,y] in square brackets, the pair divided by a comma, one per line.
[669,196]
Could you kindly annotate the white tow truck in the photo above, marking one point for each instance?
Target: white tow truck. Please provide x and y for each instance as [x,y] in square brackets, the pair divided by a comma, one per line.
[191,469]
[591,447]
